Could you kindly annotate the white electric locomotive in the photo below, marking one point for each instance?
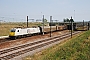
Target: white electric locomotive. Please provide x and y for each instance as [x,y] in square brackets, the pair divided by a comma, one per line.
[22,32]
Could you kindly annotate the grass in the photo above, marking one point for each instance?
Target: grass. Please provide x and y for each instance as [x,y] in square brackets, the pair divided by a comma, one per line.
[77,48]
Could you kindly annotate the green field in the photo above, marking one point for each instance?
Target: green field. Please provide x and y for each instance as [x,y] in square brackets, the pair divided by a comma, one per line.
[5,27]
[77,48]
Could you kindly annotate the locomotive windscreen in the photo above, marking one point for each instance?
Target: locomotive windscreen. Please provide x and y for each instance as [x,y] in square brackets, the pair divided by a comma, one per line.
[13,30]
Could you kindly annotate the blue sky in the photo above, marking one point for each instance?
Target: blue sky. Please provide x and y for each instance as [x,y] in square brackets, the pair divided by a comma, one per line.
[17,10]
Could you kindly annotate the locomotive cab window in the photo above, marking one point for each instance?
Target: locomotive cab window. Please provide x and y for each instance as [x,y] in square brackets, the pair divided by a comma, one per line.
[12,30]
[18,31]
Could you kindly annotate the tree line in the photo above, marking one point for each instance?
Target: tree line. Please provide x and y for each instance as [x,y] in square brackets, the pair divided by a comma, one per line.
[68,20]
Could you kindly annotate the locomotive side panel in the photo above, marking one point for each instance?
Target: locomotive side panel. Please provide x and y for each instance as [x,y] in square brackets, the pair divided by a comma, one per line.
[21,32]
[33,30]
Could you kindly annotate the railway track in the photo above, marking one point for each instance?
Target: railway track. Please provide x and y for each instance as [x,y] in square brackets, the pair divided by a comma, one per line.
[3,40]
[19,50]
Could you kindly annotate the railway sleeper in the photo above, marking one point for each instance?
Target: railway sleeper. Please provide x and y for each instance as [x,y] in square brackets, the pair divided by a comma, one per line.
[22,52]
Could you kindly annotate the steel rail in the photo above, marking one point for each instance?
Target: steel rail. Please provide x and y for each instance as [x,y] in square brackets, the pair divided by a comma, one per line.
[26,45]
[19,50]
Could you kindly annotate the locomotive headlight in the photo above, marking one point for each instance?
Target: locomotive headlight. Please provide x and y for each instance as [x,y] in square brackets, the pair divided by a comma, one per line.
[12,34]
